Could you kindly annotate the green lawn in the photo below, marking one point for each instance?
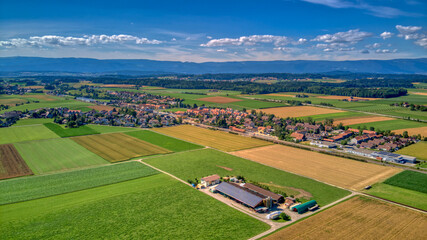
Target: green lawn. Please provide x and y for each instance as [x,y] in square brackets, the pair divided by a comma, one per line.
[153,207]
[110,129]
[28,188]
[418,150]
[33,121]
[25,133]
[201,163]
[164,141]
[391,124]
[400,195]
[410,180]
[70,132]
[56,155]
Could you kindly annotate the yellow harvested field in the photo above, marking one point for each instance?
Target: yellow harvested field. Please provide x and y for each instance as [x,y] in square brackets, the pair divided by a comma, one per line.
[118,146]
[219,99]
[346,97]
[211,138]
[298,111]
[359,218]
[11,101]
[359,120]
[337,171]
[118,86]
[419,93]
[413,131]
[280,95]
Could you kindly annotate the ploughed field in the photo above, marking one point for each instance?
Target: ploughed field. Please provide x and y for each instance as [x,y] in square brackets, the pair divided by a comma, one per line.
[216,139]
[359,218]
[116,147]
[298,111]
[11,163]
[337,171]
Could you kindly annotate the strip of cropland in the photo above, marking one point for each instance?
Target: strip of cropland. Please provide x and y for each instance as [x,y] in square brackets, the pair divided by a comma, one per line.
[116,147]
[413,131]
[205,162]
[28,188]
[25,133]
[32,121]
[70,132]
[50,155]
[110,129]
[359,218]
[219,99]
[418,150]
[390,125]
[216,139]
[11,163]
[152,207]
[298,111]
[410,180]
[337,171]
[164,141]
[361,120]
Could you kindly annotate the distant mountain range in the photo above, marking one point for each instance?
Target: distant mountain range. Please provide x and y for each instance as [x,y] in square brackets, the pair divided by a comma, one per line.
[9,65]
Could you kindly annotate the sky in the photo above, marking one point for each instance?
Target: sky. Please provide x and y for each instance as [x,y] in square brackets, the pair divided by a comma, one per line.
[202,31]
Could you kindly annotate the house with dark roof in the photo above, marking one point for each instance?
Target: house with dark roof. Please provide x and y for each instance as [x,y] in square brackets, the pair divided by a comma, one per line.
[240,194]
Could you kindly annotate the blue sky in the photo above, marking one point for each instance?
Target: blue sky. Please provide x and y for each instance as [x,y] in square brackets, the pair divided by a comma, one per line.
[215,31]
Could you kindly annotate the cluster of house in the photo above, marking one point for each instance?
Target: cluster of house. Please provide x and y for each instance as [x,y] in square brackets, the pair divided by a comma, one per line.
[251,195]
[142,100]
[17,90]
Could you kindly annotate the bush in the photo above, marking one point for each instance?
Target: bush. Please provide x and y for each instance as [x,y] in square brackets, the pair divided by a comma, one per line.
[285,217]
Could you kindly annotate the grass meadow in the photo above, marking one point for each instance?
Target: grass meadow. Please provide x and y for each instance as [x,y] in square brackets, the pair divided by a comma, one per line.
[418,150]
[110,129]
[25,133]
[153,207]
[401,195]
[32,121]
[390,124]
[53,155]
[170,143]
[70,132]
[201,163]
[28,188]
[415,181]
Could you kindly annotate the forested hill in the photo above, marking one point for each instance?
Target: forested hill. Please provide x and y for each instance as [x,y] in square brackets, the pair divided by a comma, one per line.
[88,65]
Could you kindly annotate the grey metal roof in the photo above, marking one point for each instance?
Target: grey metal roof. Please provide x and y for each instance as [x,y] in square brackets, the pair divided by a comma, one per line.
[239,193]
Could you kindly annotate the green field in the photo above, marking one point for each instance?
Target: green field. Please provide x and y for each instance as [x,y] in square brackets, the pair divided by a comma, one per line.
[25,133]
[153,207]
[28,188]
[110,129]
[70,132]
[418,150]
[56,155]
[32,121]
[45,101]
[410,180]
[391,125]
[400,195]
[164,141]
[338,115]
[201,163]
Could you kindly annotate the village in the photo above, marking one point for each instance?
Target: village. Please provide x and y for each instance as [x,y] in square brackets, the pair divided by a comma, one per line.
[361,142]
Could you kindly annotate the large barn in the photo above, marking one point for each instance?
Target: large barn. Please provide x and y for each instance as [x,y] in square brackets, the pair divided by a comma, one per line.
[240,194]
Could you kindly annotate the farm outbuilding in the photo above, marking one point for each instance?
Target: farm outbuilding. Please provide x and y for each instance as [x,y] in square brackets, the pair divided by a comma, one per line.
[210,180]
[240,194]
[276,197]
[304,207]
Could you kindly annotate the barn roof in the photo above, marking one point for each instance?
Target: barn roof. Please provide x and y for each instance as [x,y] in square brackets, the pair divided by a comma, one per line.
[239,193]
[211,178]
[262,191]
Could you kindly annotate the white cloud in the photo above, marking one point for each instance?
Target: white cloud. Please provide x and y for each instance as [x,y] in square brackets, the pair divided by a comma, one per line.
[374,45]
[422,42]
[350,37]
[221,50]
[364,51]
[58,41]
[282,49]
[386,35]
[386,51]
[300,41]
[248,41]
[412,33]
[379,11]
